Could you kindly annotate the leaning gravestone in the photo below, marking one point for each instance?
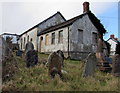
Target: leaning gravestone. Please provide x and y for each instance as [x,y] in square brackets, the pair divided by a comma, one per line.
[90,65]
[54,64]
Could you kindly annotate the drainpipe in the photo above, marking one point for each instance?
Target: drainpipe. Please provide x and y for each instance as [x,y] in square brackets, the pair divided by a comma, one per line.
[37,39]
[68,43]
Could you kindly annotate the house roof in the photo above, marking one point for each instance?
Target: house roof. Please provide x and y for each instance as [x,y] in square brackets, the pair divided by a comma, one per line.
[93,18]
[43,22]
[10,34]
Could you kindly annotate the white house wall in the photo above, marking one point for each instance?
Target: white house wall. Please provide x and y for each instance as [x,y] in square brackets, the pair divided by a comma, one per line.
[32,34]
[113,46]
[57,46]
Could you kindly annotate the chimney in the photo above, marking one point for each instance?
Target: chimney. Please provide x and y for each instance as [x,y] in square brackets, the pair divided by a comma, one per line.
[112,36]
[116,39]
[85,7]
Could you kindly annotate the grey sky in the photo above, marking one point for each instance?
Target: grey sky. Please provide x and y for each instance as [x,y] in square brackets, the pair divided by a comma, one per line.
[18,17]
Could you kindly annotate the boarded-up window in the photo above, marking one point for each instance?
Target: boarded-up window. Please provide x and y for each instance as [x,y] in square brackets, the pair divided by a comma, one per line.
[46,39]
[94,38]
[80,36]
[53,38]
[60,37]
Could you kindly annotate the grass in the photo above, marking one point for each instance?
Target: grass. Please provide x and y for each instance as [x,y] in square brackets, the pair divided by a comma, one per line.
[37,79]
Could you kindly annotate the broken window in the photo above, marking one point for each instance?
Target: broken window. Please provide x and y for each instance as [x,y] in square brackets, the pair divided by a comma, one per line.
[53,38]
[80,36]
[94,38]
[60,37]
[46,39]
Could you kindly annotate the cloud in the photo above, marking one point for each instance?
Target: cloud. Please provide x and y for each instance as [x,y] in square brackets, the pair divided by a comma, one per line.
[20,16]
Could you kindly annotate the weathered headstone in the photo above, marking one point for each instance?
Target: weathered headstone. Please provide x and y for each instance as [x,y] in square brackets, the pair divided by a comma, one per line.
[60,53]
[116,61]
[29,46]
[31,55]
[90,65]
[54,64]
[31,58]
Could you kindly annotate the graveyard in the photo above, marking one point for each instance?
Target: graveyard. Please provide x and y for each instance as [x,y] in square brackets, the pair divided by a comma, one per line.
[36,78]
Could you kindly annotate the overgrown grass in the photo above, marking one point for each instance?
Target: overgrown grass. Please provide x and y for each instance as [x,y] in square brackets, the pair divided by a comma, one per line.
[37,79]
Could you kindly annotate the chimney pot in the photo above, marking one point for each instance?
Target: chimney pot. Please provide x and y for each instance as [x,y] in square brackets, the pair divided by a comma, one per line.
[85,7]
[116,39]
[112,36]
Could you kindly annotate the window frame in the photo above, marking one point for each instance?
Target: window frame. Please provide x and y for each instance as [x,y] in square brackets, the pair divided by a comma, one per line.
[53,38]
[60,37]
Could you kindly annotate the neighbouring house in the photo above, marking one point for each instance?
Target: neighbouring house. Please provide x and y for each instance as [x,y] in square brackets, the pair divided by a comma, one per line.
[112,41]
[32,32]
[13,37]
[76,37]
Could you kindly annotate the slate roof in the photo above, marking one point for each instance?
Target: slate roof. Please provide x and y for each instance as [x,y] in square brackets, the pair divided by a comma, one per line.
[43,22]
[93,18]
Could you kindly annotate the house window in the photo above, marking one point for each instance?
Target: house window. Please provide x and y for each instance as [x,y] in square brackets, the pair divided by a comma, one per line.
[94,38]
[80,36]
[46,39]
[24,42]
[21,43]
[60,37]
[28,38]
[53,38]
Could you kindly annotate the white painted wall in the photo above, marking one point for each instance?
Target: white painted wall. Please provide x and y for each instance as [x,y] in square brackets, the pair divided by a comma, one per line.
[57,46]
[113,46]
[32,34]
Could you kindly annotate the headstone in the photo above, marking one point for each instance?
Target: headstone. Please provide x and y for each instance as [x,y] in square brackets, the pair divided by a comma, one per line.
[60,53]
[54,64]
[116,65]
[31,55]
[29,46]
[90,65]
[116,61]
[31,58]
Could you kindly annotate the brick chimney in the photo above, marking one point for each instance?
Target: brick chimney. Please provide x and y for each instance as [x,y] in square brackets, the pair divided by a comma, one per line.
[116,39]
[112,36]
[85,7]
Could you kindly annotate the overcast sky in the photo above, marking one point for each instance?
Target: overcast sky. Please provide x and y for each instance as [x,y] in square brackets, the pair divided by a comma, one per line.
[18,17]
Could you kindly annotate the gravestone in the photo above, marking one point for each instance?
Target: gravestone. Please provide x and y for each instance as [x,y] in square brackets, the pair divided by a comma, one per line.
[90,65]
[31,55]
[116,61]
[60,53]
[54,64]
[29,46]
[31,58]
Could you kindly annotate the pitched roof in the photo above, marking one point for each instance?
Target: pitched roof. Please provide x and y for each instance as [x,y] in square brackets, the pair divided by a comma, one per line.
[43,22]
[10,34]
[93,18]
